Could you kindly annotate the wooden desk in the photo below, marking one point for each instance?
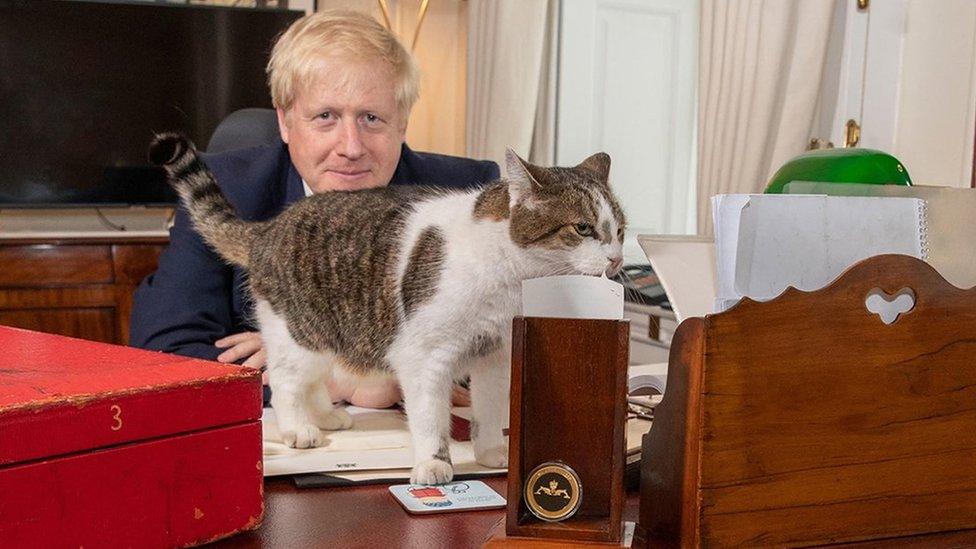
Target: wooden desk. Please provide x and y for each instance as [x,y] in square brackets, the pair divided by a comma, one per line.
[366,516]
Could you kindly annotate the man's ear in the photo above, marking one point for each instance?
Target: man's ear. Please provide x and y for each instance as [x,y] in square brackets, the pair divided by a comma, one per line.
[522,187]
[282,123]
[599,165]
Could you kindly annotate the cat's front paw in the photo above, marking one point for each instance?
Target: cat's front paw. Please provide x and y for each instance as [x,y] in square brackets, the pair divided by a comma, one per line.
[335,420]
[303,436]
[432,471]
[496,458]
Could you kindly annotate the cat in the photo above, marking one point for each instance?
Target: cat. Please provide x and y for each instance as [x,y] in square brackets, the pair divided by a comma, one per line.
[406,281]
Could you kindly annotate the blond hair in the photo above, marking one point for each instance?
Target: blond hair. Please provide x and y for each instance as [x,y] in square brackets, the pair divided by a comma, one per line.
[308,43]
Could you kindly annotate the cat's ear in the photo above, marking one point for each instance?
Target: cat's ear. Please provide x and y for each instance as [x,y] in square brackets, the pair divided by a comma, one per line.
[522,185]
[599,165]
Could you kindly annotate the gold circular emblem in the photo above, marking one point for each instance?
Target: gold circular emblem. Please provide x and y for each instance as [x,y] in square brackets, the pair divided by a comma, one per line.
[553,491]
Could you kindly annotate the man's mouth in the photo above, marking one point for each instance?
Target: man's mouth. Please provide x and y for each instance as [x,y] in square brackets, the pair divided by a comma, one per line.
[349,174]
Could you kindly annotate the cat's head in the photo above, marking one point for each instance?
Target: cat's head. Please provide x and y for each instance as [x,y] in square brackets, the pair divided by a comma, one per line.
[567,217]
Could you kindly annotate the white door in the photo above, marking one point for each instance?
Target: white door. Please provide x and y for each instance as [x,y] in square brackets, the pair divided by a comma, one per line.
[905,72]
[627,81]
[863,73]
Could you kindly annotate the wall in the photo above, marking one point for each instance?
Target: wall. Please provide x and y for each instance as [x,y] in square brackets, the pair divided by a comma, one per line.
[437,121]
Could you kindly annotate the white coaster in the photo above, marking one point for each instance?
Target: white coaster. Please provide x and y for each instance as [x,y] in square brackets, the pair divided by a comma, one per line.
[457,496]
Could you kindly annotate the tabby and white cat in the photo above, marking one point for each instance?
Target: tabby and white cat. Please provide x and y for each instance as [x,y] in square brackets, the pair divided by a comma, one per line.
[412,282]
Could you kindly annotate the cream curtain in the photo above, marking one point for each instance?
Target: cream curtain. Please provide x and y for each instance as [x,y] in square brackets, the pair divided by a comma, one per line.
[761,64]
[511,99]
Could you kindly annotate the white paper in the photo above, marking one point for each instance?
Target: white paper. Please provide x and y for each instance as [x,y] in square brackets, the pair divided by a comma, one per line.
[647,376]
[573,296]
[806,241]
[379,440]
[725,214]
[685,265]
[950,221]
[378,446]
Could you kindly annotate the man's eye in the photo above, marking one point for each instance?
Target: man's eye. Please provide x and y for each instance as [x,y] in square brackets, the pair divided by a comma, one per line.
[584,229]
[372,119]
[325,116]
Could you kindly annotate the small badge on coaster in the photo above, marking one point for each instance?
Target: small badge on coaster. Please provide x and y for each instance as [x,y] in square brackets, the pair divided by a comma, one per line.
[553,491]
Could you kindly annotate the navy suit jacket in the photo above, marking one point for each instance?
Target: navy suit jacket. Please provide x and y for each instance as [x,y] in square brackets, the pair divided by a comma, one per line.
[195,298]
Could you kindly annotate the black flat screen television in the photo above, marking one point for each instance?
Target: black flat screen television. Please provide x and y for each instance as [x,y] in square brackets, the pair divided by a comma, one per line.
[85,85]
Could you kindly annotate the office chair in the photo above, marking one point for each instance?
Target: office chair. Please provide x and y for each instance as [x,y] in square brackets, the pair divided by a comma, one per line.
[245,128]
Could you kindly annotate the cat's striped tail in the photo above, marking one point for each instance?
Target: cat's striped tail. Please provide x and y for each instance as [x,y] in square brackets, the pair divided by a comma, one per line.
[212,215]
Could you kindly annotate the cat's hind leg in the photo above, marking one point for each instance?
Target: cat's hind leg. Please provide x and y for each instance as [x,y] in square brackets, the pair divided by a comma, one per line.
[490,381]
[324,413]
[295,375]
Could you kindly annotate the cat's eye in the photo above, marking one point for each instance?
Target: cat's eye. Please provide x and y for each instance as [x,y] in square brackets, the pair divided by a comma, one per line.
[584,229]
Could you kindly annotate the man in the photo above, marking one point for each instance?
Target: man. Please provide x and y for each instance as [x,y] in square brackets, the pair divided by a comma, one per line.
[343,88]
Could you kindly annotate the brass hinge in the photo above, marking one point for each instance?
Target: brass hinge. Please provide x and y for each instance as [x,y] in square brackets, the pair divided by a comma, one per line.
[863,5]
[853,134]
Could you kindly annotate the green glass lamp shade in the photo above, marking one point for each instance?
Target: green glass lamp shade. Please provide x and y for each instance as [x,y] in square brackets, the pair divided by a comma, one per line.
[847,165]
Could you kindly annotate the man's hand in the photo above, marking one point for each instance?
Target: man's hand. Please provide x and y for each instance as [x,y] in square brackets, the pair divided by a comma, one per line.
[243,345]
[460,396]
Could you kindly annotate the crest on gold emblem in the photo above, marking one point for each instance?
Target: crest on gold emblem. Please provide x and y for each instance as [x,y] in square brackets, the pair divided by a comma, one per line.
[553,491]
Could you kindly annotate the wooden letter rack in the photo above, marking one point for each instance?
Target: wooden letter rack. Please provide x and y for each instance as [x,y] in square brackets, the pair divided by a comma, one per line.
[806,420]
[569,388]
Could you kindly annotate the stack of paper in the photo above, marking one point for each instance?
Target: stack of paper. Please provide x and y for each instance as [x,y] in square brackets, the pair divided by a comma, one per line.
[378,447]
[765,243]
[378,441]
[647,379]
[951,222]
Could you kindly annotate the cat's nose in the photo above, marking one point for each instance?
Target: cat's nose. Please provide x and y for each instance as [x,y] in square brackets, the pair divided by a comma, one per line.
[615,264]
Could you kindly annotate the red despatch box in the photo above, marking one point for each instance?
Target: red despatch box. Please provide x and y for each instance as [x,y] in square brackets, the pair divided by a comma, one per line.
[109,446]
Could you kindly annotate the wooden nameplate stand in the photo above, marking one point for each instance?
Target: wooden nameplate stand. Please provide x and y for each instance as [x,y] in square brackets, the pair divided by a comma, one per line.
[568,404]
[806,420]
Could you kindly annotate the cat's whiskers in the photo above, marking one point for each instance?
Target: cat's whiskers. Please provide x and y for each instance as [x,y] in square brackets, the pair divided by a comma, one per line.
[628,280]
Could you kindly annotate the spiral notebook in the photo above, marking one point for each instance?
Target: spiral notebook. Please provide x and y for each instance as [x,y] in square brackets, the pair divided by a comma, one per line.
[766,243]
[950,219]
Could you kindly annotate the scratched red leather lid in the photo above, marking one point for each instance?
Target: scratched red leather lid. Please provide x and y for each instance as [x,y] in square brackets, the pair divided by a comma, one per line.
[60,395]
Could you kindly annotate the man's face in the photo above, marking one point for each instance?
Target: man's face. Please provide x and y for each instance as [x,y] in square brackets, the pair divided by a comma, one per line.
[344,131]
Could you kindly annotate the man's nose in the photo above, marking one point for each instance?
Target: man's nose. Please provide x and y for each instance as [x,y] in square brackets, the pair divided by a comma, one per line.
[350,141]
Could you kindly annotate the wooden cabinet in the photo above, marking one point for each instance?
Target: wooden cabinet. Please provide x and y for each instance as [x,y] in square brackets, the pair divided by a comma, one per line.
[74,287]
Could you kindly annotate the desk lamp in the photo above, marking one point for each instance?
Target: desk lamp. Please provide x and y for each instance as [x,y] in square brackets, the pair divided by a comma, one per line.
[847,165]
